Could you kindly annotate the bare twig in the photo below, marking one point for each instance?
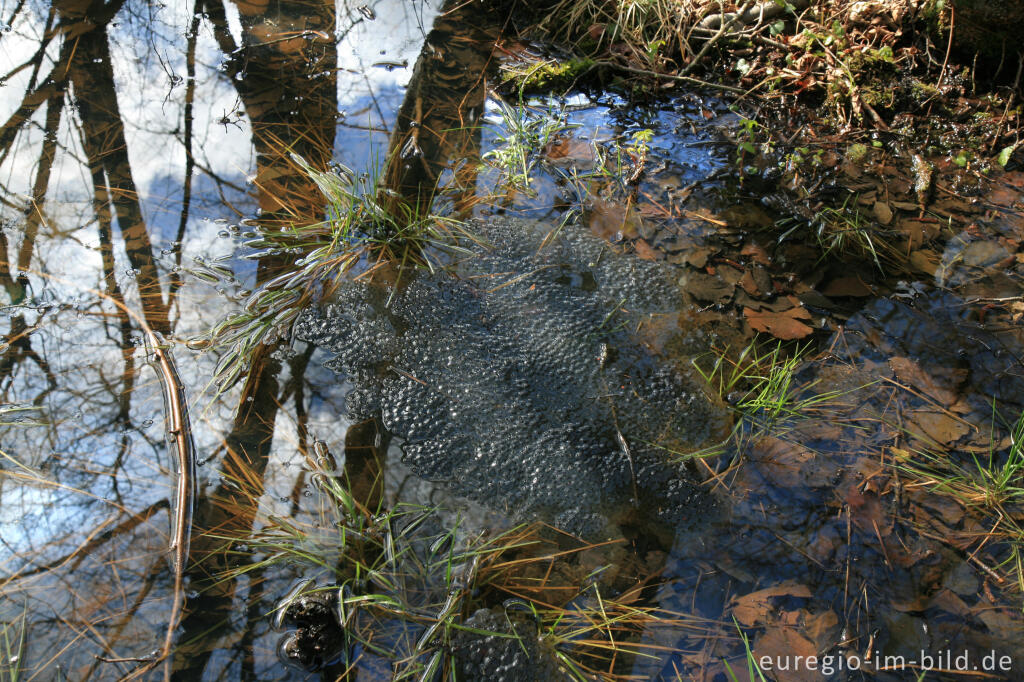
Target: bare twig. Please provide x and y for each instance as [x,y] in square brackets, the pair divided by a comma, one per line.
[949,46]
[179,427]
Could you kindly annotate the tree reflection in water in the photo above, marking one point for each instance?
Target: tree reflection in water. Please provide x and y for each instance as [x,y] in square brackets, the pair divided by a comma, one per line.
[131,135]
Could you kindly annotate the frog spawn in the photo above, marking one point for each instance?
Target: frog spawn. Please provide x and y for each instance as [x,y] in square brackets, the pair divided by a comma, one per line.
[517,380]
[502,646]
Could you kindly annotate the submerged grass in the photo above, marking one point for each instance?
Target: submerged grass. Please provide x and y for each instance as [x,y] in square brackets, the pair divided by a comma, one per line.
[13,634]
[525,133]
[990,485]
[844,231]
[752,667]
[402,582]
[990,482]
[367,224]
[761,383]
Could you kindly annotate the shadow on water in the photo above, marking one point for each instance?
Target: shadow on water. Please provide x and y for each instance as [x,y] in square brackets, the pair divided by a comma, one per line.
[137,165]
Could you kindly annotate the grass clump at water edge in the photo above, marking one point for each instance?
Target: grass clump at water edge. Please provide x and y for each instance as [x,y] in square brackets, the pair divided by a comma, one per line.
[761,383]
[367,224]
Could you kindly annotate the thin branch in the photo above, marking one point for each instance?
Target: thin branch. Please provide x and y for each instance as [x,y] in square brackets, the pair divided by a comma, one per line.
[190,162]
[91,544]
[34,213]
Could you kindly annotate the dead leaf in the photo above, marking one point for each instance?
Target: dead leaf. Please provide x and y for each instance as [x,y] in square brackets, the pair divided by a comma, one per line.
[756,253]
[948,601]
[984,254]
[868,512]
[753,609]
[821,628]
[939,427]
[698,258]
[569,150]
[785,644]
[947,509]
[786,464]
[910,372]
[962,579]
[782,325]
[761,278]
[708,288]
[1002,196]
[748,284]
[644,250]
[882,212]
[925,261]
[613,221]
[1000,621]
[917,231]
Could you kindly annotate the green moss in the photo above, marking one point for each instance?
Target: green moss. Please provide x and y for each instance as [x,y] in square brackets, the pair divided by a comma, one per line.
[873,61]
[547,76]
[921,91]
[857,152]
[935,16]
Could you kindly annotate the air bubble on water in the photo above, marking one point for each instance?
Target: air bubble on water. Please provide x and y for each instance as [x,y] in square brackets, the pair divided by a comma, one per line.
[146,424]
[223,234]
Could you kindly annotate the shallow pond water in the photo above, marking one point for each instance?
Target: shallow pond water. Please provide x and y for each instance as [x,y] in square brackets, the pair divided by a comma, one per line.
[147,146]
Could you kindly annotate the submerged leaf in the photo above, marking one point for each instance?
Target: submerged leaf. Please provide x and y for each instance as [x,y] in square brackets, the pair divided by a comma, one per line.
[784,325]
[753,609]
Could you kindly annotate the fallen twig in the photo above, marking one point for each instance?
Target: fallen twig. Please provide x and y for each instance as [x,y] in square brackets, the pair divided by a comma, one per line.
[178,426]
